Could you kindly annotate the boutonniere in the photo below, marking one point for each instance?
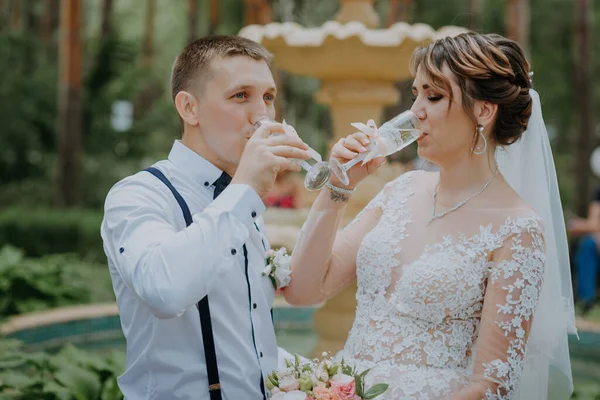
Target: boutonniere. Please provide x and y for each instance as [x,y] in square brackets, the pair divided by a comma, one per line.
[278,267]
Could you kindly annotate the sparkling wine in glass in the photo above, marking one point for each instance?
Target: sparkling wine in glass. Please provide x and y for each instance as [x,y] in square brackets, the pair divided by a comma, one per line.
[393,136]
[317,173]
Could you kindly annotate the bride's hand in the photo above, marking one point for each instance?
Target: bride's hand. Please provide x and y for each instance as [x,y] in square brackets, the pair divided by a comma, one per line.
[345,150]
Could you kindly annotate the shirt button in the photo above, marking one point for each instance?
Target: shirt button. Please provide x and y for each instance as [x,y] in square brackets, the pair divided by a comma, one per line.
[121,250]
[206,184]
[253,214]
[233,252]
[254,306]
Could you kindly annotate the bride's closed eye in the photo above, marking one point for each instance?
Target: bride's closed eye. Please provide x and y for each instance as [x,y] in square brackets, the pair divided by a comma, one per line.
[430,98]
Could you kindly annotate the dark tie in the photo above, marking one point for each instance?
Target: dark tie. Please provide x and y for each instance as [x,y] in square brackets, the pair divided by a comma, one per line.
[221,183]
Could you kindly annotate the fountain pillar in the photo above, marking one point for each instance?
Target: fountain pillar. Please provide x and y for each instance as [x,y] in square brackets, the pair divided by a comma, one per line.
[355,101]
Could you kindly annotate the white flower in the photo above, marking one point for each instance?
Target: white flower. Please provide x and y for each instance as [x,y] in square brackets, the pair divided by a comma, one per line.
[295,395]
[267,270]
[281,258]
[342,379]
[289,384]
[279,267]
[282,275]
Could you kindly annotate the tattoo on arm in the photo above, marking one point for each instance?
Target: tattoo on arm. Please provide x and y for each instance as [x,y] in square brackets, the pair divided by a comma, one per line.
[336,196]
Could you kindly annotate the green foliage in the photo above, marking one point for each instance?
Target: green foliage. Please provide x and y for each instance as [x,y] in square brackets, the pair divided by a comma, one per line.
[586,391]
[71,374]
[27,107]
[45,231]
[57,280]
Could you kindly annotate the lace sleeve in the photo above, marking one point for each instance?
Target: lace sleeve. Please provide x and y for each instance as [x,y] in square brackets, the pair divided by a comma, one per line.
[512,293]
[324,261]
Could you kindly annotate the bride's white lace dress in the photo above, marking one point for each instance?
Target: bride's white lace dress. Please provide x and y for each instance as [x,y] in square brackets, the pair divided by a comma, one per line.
[444,309]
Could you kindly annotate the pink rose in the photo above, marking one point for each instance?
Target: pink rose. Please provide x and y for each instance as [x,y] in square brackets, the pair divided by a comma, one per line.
[323,393]
[344,387]
[270,252]
[289,384]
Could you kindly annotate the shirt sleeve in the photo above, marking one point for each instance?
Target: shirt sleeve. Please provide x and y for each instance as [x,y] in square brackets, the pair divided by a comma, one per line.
[513,290]
[170,269]
[324,261]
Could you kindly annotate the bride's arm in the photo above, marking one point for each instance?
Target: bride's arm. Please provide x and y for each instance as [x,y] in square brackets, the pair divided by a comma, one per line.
[511,296]
[324,261]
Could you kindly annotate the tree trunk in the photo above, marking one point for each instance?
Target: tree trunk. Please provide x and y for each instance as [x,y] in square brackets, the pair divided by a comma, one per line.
[30,20]
[517,21]
[257,12]
[50,20]
[398,11]
[69,106]
[192,20]
[105,29]
[148,46]
[215,16]
[3,14]
[15,15]
[475,11]
[584,94]
[151,89]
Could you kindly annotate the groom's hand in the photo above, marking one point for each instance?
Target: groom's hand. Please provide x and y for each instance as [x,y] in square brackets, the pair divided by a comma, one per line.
[267,154]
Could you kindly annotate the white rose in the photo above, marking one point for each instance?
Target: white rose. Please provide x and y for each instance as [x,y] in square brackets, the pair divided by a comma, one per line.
[278,396]
[285,374]
[282,276]
[295,395]
[289,384]
[342,379]
[322,374]
[279,256]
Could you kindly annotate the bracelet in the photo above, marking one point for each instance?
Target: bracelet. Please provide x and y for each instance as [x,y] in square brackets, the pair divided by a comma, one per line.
[339,189]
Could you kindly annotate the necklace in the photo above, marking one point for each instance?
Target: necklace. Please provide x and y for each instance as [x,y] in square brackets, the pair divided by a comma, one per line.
[456,207]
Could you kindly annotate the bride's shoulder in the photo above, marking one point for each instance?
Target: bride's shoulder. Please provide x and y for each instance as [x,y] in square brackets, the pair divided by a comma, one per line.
[522,218]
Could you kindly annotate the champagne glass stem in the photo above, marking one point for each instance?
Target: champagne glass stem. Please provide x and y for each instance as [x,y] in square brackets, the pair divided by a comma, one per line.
[354,161]
[304,164]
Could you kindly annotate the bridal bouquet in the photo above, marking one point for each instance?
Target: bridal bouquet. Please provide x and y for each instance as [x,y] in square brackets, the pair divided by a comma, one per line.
[320,380]
[278,267]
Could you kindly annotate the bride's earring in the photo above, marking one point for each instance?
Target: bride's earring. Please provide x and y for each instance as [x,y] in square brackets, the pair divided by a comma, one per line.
[480,133]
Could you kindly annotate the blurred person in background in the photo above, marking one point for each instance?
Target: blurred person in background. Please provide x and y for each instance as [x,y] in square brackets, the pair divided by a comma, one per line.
[586,233]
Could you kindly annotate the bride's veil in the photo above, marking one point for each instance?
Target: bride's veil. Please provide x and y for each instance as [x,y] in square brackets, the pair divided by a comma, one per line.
[528,166]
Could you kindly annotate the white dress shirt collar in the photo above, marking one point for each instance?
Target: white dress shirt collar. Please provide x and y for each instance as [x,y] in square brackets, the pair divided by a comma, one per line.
[192,164]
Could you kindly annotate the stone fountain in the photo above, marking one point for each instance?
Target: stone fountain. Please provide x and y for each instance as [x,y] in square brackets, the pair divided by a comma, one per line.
[358,66]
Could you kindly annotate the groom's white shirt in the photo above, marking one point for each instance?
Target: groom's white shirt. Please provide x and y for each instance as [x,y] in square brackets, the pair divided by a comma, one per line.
[160,269]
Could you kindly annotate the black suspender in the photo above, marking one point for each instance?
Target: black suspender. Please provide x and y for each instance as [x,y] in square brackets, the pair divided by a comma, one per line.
[214,385]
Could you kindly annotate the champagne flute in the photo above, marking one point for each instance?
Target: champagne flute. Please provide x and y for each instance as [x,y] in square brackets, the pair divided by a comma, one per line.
[318,173]
[391,137]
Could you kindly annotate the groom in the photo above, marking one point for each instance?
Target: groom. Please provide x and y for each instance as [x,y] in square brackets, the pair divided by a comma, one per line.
[185,240]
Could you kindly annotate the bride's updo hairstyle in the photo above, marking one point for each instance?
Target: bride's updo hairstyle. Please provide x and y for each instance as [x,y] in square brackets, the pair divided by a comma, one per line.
[487,67]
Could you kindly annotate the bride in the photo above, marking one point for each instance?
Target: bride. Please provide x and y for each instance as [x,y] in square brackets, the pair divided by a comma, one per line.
[464,288]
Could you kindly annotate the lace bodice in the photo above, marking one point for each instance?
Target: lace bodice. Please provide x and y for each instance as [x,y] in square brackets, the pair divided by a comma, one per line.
[444,308]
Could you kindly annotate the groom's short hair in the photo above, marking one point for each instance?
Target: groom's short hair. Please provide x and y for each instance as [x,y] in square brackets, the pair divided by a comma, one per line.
[195,59]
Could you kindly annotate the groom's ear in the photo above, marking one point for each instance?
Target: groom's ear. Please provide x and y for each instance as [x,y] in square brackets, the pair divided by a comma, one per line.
[485,112]
[187,107]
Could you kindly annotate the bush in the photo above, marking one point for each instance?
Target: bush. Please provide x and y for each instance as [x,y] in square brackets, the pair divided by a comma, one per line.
[38,284]
[71,374]
[44,231]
